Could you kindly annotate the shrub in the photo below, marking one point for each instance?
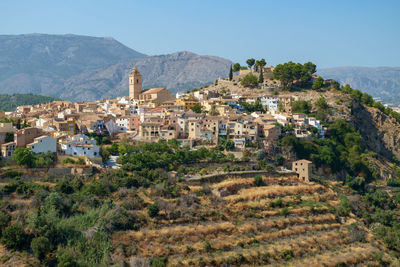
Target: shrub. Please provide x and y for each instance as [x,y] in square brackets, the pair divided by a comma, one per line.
[5,219]
[344,208]
[158,262]
[276,203]
[66,259]
[12,174]
[152,210]
[393,182]
[357,234]
[119,219]
[284,212]
[287,254]
[258,181]
[40,246]
[14,237]
[357,183]
[250,80]
[207,246]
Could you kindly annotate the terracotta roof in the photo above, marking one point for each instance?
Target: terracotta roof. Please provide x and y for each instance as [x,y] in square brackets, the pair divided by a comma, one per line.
[153,90]
[155,110]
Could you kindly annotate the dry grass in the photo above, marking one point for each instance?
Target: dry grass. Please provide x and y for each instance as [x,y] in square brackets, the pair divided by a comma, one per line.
[273,191]
[168,244]
[264,203]
[300,245]
[349,256]
[193,233]
[229,183]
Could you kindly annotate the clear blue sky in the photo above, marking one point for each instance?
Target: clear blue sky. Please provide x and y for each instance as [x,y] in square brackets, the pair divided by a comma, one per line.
[329,33]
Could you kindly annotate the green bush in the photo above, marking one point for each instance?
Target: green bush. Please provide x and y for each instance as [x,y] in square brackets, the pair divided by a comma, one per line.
[393,182]
[5,219]
[118,219]
[40,246]
[344,208]
[258,181]
[278,203]
[66,259]
[287,254]
[284,212]
[14,237]
[12,174]
[158,261]
[207,246]
[250,80]
[152,210]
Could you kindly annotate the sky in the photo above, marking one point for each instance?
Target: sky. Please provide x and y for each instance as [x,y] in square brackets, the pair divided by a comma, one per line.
[328,33]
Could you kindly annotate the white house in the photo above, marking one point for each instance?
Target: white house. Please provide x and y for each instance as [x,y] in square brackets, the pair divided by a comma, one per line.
[40,123]
[122,124]
[43,144]
[271,103]
[317,124]
[80,145]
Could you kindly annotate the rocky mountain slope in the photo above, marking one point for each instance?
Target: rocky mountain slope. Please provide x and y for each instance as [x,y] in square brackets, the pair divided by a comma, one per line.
[382,82]
[88,68]
[178,71]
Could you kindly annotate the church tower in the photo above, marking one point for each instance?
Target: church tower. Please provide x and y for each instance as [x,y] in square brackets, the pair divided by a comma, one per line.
[135,84]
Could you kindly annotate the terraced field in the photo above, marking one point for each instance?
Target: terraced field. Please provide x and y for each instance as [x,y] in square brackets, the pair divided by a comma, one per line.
[234,222]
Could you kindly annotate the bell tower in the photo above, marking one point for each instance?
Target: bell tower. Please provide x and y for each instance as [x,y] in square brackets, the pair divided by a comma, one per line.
[135,84]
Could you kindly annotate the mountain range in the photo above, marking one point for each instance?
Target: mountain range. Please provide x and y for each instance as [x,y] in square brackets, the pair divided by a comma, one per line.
[380,82]
[78,68]
[81,68]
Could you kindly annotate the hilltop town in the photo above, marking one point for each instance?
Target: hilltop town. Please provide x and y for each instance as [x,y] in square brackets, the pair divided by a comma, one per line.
[269,165]
[225,112]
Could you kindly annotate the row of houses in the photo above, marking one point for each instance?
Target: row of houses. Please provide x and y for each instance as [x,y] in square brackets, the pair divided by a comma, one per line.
[39,142]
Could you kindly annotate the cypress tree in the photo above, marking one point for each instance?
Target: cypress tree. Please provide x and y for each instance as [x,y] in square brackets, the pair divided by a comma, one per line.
[230,74]
[261,77]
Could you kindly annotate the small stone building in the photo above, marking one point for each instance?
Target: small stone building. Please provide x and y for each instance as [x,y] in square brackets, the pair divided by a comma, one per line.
[303,168]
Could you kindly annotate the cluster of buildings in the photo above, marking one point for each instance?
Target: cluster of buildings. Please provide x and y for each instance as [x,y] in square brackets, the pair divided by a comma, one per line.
[152,115]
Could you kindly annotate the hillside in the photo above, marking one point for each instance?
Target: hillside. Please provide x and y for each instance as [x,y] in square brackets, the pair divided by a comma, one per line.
[143,216]
[79,68]
[382,82]
[11,102]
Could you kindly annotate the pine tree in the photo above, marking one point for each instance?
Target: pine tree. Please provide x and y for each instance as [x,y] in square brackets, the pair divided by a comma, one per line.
[230,74]
[261,77]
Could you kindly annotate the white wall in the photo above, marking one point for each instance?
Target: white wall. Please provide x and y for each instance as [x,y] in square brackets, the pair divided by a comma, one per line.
[44,145]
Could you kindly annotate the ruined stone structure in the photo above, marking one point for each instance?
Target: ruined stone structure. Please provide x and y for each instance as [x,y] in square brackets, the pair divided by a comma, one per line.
[303,168]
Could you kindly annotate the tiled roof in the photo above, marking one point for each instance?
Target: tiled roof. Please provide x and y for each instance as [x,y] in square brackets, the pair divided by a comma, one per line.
[153,90]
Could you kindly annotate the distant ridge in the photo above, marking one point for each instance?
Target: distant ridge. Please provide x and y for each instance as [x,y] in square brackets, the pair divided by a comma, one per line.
[382,82]
[74,67]
[11,102]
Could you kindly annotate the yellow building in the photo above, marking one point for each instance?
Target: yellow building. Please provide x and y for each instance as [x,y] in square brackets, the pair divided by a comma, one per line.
[187,102]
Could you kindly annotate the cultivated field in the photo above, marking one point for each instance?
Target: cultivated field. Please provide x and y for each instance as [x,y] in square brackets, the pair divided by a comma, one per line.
[234,222]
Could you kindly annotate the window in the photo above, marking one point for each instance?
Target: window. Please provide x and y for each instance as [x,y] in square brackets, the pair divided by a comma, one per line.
[95,153]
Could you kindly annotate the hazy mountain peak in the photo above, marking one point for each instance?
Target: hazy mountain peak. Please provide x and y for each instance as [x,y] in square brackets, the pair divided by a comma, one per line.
[79,67]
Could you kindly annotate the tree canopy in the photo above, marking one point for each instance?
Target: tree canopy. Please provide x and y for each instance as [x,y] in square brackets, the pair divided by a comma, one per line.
[236,67]
[250,80]
[250,62]
[290,73]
